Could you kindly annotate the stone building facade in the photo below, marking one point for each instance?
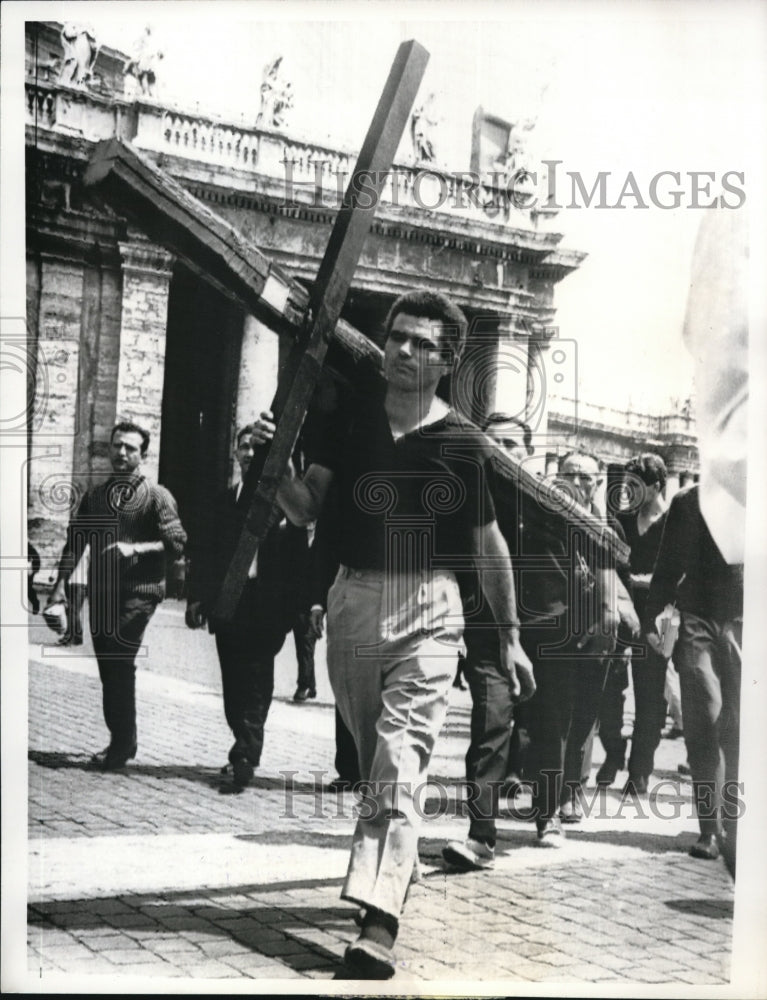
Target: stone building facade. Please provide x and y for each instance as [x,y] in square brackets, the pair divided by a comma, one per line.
[118,328]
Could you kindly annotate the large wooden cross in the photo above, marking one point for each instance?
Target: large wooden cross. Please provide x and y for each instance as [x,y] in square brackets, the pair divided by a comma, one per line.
[301,373]
[220,255]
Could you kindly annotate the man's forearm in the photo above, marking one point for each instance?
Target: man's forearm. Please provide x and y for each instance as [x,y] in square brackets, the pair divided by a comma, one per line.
[494,567]
[498,587]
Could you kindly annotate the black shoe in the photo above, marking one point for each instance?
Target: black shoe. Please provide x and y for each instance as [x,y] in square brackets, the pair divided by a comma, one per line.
[303,694]
[369,959]
[115,760]
[635,786]
[706,847]
[97,760]
[571,811]
[242,773]
[550,832]
[608,772]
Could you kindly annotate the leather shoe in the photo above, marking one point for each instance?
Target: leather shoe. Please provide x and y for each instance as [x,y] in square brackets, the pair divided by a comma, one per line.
[608,772]
[242,772]
[571,811]
[115,760]
[303,694]
[369,959]
[634,787]
[706,847]
[98,759]
[469,855]
[550,832]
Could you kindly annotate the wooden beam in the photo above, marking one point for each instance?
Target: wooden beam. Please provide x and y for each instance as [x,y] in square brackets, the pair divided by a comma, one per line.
[212,248]
[297,385]
[208,244]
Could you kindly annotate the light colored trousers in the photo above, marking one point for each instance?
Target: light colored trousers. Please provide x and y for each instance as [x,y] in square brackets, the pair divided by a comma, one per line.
[672,694]
[393,645]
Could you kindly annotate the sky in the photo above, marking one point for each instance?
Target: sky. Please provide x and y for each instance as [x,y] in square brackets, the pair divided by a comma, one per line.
[618,87]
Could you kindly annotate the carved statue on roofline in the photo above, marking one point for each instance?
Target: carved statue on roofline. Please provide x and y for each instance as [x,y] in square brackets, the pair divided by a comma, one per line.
[142,66]
[422,123]
[80,51]
[276,96]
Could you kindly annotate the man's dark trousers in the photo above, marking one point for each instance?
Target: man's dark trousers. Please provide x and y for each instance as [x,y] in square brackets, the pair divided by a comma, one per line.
[246,651]
[648,674]
[116,650]
[563,712]
[488,753]
[346,762]
[305,641]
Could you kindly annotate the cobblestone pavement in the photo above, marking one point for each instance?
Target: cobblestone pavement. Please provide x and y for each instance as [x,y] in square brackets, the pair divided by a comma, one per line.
[153,873]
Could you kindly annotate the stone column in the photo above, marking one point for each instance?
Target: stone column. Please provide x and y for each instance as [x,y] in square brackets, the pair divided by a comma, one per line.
[53,489]
[672,484]
[259,366]
[539,391]
[511,366]
[141,367]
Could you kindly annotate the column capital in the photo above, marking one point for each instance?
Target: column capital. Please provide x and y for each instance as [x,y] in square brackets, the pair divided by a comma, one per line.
[542,335]
[140,255]
[512,327]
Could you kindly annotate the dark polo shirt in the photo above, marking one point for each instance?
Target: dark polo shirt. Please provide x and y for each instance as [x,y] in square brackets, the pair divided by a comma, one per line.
[411,502]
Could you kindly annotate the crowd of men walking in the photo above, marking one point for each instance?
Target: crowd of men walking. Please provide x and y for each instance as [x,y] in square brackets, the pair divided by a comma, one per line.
[396,520]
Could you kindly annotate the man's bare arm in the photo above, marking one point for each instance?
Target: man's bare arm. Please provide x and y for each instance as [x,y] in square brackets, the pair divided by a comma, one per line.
[491,555]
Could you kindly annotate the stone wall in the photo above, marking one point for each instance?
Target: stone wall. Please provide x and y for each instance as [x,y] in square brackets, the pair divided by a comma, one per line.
[55,293]
[141,368]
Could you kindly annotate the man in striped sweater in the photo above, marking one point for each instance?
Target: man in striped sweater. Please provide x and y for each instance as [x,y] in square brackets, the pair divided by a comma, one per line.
[132,526]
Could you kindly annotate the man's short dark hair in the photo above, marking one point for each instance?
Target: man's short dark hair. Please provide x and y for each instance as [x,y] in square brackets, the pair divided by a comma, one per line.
[128,427]
[423,303]
[582,453]
[247,429]
[506,418]
[650,468]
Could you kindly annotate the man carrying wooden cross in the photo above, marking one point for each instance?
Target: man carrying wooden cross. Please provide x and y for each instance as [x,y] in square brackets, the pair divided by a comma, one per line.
[414,508]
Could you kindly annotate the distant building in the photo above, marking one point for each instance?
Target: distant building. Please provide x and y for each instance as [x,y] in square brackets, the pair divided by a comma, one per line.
[617,435]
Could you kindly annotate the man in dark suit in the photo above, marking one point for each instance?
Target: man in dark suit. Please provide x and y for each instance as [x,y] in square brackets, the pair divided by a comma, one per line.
[265,614]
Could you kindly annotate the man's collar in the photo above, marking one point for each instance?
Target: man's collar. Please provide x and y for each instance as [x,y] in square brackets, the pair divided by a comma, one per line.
[131,478]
